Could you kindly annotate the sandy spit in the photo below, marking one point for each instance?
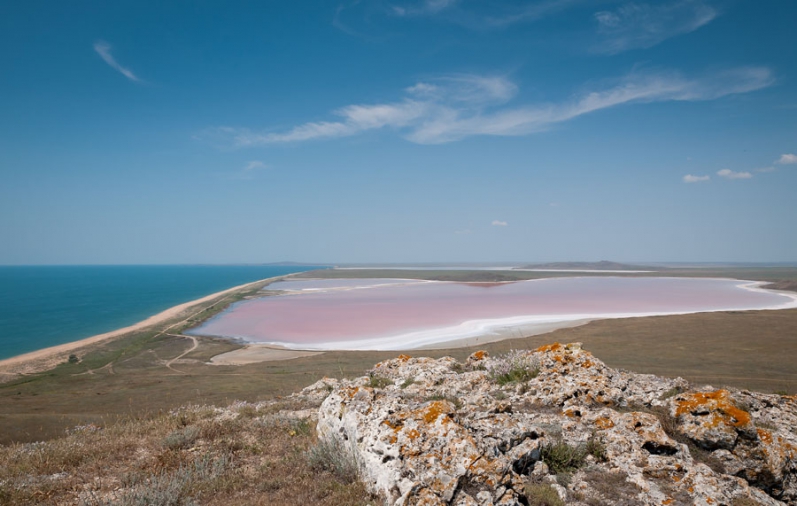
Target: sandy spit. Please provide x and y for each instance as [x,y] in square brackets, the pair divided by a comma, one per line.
[47,358]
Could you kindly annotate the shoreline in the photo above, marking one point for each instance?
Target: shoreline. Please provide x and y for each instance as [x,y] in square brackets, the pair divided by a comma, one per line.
[259,351]
[46,358]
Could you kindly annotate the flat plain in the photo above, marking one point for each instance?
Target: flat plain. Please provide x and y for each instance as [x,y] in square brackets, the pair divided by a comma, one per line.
[148,372]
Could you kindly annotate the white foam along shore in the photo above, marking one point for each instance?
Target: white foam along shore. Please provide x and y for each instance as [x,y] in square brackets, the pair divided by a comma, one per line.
[51,356]
[472,332]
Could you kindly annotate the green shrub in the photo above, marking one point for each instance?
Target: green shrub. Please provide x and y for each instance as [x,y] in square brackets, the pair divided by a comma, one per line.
[561,457]
[379,382]
[540,494]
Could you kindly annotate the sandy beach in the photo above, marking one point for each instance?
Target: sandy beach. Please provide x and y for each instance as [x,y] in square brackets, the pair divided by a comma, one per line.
[48,358]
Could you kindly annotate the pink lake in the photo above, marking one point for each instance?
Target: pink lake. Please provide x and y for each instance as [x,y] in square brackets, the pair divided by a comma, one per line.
[392,314]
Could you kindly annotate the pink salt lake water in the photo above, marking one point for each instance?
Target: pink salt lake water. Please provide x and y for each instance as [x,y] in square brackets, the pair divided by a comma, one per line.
[390,314]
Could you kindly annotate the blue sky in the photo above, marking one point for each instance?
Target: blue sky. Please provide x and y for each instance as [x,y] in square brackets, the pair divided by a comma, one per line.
[397,131]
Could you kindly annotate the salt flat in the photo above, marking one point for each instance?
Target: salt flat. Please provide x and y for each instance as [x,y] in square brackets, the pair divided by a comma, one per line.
[391,314]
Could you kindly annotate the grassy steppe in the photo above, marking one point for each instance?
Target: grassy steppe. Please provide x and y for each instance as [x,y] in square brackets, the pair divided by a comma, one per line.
[133,377]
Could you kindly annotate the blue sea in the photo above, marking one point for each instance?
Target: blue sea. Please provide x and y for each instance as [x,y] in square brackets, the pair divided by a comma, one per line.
[43,306]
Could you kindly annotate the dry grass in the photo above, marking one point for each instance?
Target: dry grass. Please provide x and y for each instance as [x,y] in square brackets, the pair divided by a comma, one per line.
[612,488]
[541,494]
[205,455]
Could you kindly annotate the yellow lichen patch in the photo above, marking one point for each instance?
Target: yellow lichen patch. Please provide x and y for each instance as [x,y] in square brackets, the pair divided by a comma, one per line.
[349,392]
[434,410]
[604,423]
[669,500]
[764,436]
[404,358]
[718,402]
[587,364]
[412,434]
[549,347]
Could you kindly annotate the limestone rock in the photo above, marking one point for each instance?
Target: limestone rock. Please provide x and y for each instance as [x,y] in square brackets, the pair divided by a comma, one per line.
[483,433]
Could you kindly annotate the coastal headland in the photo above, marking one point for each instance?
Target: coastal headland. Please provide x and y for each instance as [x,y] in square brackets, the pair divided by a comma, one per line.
[153,366]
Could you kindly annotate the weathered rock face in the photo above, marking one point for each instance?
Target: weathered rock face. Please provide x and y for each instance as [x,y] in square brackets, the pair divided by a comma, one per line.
[427,432]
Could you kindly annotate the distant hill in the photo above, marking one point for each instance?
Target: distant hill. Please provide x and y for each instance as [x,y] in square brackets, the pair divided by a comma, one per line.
[603,265]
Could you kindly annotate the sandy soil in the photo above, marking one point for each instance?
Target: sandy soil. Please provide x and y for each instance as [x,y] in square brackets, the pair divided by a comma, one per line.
[48,358]
[254,353]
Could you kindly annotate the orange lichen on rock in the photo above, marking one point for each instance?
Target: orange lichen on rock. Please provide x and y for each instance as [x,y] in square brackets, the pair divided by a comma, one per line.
[604,423]
[479,355]
[549,347]
[764,436]
[587,364]
[404,358]
[669,500]
[434,410]
[718,402]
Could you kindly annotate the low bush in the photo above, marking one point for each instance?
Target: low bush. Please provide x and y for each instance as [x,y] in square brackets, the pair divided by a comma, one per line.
[514,367]
[333,456]
[181,438]
[379,382]
[540,494]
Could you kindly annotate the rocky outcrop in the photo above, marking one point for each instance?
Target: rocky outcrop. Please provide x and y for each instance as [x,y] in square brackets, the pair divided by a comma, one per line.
[556,424]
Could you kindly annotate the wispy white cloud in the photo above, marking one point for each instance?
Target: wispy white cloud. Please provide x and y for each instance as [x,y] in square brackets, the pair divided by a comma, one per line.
[729,174]
[254,165]
[689,178]
[766,169]
[527,12]
[499,223]
[451,108]
[635,25]
[104,50]
[787,159]
[424,7]
[249,170]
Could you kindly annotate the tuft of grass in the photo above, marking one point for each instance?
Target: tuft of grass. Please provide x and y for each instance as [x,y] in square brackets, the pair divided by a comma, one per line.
[670,393]
[407,382]
[514,367]
[563,458]
[181,438]
[379,382]
[540,494]
[333,456]
[613,487]
[744,501]
[595,447]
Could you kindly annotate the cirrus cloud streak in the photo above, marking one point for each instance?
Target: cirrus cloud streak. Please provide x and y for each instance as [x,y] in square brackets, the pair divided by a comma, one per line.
[452,108]
[104,50]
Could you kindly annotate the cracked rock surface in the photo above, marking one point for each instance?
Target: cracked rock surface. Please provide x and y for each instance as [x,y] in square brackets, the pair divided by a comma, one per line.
[556,420]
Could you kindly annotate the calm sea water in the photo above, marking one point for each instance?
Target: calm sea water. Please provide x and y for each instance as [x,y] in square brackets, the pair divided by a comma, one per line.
[50,305]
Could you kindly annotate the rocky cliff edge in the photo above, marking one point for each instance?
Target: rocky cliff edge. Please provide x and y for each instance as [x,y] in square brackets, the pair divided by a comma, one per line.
[557,426]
